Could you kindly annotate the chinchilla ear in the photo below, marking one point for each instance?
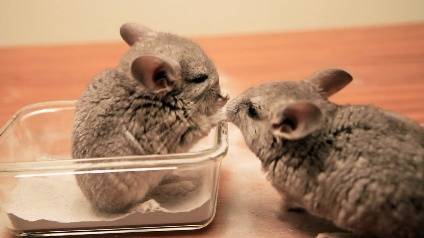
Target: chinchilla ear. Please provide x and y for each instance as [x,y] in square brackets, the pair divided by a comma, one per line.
[331,81]
[133,32]
[156,74]
[296,120]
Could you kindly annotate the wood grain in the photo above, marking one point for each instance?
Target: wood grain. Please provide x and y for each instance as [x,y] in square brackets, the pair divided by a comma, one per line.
[387,64]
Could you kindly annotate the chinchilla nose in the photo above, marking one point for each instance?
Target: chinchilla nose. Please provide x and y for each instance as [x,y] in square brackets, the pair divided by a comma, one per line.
[232,109]
[223,99]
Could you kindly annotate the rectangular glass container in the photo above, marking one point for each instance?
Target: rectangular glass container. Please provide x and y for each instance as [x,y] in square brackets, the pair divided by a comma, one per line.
[39,195]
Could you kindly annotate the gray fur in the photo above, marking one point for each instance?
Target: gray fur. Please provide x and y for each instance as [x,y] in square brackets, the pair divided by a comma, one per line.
[118,116]
[363,168]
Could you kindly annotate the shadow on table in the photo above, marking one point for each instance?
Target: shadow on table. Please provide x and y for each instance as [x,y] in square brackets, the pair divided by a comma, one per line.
[306,223]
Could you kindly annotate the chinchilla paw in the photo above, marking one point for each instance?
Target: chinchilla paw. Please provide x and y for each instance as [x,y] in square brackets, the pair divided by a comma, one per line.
[174,191]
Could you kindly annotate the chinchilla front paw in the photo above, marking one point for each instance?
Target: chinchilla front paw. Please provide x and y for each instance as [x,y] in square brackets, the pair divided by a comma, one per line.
[173,191]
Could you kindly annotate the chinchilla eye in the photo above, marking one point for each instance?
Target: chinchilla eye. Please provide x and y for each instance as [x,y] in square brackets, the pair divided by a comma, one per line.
[200,78]
[252,112]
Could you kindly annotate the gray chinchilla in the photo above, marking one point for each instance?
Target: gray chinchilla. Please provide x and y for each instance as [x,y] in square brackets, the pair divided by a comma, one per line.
[162,98]
[359,166]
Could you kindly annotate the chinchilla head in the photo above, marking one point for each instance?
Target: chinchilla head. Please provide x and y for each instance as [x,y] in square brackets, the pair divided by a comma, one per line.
[288,110]
[168,66]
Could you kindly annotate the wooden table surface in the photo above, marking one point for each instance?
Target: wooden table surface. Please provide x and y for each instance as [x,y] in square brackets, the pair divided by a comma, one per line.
[387,64]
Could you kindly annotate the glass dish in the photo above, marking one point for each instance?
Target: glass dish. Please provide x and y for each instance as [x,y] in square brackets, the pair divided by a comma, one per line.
[39,195]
